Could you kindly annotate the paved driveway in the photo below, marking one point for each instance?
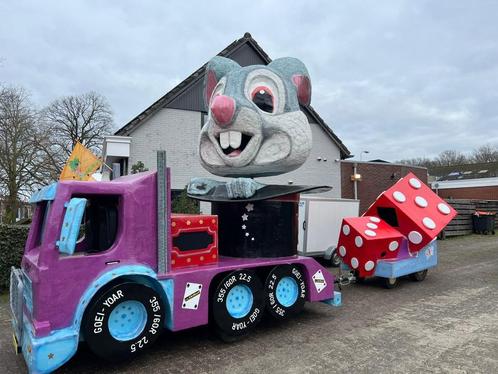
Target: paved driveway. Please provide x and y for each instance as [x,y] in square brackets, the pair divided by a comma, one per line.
[448,323]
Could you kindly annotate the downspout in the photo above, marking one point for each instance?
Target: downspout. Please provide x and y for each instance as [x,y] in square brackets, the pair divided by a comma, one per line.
[355,181]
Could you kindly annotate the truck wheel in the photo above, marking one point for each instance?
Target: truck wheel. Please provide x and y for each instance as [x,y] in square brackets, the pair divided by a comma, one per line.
[391,282]
[237,304]
[358,279]
[419,276]
[285,291]
[123,320]
[335,259]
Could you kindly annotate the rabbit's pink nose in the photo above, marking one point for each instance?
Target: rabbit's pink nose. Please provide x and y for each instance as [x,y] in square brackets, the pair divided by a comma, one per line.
[223,109]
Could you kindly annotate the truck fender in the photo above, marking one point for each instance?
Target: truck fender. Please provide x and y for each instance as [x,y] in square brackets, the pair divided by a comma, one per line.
[139,273]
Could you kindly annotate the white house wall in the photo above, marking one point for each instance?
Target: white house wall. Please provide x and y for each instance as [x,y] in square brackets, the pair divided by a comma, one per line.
[177,132]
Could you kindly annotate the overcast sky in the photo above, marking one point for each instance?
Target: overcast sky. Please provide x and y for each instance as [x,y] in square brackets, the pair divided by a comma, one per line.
[400,79]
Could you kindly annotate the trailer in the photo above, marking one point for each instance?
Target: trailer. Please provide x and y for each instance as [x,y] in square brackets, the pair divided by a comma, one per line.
[320,224]
[396,236]
[107,263]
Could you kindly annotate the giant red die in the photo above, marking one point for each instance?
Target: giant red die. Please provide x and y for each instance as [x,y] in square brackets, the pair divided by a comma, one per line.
[364,240]
[195,240]
[411,207]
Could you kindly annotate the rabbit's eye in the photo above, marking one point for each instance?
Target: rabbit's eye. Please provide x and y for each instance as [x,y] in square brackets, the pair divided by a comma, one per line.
[263,98]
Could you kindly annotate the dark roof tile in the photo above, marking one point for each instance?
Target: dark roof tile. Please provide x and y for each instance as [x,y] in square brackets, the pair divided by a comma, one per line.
[127,129]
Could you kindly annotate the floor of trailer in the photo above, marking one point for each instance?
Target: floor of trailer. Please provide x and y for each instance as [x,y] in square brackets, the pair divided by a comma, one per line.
[448,323]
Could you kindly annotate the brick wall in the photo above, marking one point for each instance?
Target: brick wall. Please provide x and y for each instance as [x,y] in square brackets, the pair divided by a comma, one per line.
[376,178]
[479,193]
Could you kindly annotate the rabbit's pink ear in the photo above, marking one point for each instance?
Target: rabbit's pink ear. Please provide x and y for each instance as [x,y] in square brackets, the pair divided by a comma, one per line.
[216,69]
[209,86]
[293,70]
[303,87]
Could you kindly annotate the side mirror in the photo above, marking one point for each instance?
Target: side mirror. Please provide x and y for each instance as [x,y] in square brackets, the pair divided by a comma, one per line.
[71,225]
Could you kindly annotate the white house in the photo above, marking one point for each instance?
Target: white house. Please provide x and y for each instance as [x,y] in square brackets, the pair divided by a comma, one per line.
[174,121]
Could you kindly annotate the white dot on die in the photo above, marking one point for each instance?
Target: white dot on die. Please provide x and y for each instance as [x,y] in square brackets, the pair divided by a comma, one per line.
[354,262]
[358,241]
[393,246]
[429,223]
[369,265]
[415,183]
[415,237]
[421,202]
[370,233]
[399,196]
[372,225]
[375,219]
[443,208]
[345,230]
[342,251]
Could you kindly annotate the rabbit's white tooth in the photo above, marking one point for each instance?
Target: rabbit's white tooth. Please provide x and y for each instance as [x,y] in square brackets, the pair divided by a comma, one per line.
[235,139]
[224,140]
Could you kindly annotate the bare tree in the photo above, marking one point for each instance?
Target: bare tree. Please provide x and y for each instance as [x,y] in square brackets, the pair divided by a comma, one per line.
[417,161]
[450,158]
[85,118]
[21,164]
[485,153]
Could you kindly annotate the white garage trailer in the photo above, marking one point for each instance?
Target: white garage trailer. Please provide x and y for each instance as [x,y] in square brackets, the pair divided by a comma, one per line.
[319,224]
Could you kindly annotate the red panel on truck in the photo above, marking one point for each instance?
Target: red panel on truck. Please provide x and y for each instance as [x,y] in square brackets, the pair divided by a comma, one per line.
[195,240]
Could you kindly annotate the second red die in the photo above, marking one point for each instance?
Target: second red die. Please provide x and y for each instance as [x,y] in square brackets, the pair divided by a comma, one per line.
[365,240]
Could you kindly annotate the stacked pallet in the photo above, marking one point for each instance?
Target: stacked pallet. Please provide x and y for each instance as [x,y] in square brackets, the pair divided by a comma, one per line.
[462,223]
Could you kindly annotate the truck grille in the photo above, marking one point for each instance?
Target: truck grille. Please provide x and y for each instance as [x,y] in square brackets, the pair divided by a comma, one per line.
[16,299]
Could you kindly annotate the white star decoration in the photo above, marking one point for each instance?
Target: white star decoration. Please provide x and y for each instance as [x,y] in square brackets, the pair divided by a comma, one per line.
[247,234]
[244,217]
[250,207]
[243,227]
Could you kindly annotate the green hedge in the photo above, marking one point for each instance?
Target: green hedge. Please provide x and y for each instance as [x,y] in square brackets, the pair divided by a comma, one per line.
[12,240]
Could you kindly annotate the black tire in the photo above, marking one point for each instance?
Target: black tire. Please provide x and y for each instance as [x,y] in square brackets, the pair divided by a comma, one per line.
[224,310]
[335,259]
[419,276]
[98,330]
[285,291]
[358,279]
[391,283]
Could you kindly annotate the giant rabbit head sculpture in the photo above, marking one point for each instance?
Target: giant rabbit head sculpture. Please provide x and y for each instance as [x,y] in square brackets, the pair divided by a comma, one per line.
[255,125]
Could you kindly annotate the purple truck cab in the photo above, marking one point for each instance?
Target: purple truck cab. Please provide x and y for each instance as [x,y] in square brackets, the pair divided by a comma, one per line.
[92,271]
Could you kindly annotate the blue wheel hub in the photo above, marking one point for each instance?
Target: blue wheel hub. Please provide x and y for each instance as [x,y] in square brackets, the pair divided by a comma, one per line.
[287,291]
[127,320]
[239,301]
